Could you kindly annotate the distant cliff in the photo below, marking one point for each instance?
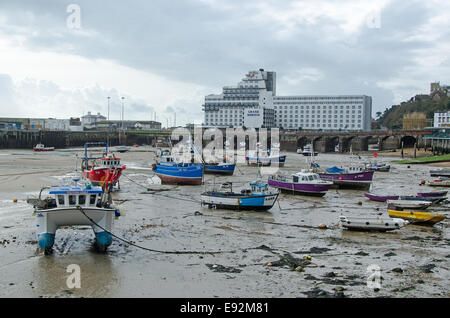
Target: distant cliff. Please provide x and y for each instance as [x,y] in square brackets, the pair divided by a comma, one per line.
[392,118]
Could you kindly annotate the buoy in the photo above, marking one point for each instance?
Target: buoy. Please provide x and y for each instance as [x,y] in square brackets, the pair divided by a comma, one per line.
[308,257]
[422,181]
[15,200]
[360,202]
[322,226]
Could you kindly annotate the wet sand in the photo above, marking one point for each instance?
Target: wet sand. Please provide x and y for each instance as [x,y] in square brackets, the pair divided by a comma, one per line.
[249,241]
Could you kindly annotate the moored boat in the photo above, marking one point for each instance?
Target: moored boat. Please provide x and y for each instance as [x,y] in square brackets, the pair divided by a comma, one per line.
[441,182]
[435,194]
[99,170]
[352,177]
[309,151]
[73,205]
[220,168]
[303,182]
[440,173]
[171,172]
[409,204]
[258,198]
[418,216]
[378,167]
[371,223]
[380,198]
[41,147]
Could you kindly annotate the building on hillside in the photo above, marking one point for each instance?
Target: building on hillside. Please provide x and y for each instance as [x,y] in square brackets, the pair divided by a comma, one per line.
[253,103]
[442,119]
[438,88]
[415,121]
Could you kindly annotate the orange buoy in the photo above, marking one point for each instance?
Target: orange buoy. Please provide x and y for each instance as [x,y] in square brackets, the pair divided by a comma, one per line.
[15,200]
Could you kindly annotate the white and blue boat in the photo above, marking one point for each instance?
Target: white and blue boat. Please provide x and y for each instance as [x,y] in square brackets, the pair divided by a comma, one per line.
[258,198]
[259,157]
[73,205]
[220,168]
[172,172]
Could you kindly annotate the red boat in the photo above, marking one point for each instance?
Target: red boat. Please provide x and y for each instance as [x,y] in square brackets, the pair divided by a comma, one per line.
[41,147]
[106,169]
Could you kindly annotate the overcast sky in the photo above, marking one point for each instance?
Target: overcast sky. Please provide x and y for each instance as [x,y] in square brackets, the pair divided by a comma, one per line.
[165,56]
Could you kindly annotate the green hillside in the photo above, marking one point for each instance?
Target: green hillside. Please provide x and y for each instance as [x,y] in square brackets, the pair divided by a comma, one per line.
[392,118]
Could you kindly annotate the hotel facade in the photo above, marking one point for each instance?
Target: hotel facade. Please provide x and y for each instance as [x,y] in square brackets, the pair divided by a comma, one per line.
[253,103]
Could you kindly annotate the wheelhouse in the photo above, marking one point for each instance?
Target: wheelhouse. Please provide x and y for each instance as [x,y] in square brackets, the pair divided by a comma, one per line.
[76,196]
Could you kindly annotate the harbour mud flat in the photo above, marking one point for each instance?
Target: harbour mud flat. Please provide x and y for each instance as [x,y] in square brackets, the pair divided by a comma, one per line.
[219,253]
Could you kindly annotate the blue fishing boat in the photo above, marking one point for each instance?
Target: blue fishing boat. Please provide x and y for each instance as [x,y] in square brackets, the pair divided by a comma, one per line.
[220,168]
[258,198]
[178,173]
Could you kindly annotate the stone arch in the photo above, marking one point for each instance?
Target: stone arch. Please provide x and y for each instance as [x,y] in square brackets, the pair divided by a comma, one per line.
[317,143]
[302,142]
[345,143]
[408,141]
[388,142]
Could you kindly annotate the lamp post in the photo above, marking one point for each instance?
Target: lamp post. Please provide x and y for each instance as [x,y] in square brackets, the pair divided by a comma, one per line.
[108,108]
[122,111]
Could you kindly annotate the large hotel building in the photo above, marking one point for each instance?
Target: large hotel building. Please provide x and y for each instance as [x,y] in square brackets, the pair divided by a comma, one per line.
[253,104]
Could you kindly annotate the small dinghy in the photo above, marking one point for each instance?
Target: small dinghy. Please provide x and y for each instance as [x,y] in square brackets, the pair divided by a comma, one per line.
[371,223]
[436,194]
[440,173]
[409,204]
[41,147]
[418,217]
[73,205]
[380,198]
[258,198]
[441,182]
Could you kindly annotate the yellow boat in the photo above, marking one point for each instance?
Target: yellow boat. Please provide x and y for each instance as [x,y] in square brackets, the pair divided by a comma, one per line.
[417,217]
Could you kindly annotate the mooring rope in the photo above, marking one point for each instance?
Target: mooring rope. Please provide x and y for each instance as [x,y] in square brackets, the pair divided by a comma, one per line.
[150,249]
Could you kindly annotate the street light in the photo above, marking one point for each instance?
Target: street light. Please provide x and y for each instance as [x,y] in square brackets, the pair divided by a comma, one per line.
[122,111]
[108,108]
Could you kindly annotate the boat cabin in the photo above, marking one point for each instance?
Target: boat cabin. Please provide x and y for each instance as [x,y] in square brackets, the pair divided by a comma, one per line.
[73,196]
[259,188]
[110,162]
[305,177]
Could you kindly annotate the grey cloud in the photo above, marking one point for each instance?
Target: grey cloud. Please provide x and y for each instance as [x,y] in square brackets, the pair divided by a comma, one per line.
[215,45]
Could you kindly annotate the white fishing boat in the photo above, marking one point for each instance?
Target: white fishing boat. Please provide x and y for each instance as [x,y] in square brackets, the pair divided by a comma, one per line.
[409,204]
[73,205]
[371,223]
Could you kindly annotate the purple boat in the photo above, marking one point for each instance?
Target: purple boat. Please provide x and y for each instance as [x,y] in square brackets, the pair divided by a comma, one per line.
[353,177]
[380,198]
[433,194]
[304,183]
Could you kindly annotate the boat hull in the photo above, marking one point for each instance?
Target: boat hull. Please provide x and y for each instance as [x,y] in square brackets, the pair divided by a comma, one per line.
[417,217]
[239,202]
[48,221]
[184,174]
[349,180]
[220,169]
[43,149]
[98,177]
[372,224]
[302,189]
[380,198]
